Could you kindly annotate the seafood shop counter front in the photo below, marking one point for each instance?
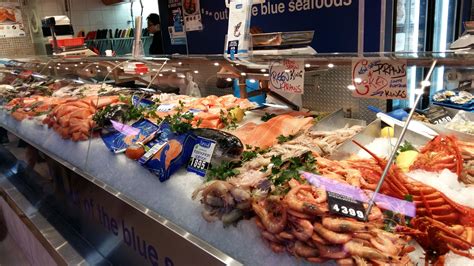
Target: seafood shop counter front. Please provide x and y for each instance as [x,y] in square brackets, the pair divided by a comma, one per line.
[205,177]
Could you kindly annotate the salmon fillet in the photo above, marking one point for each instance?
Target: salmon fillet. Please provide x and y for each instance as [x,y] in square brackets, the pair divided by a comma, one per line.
[265,135]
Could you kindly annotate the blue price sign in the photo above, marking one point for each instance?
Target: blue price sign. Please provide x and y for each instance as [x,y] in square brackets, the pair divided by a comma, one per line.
[201,156]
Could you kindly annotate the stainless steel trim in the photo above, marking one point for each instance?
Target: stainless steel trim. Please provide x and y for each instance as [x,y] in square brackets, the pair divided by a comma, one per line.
[383,17]
[360,43]
[59,249]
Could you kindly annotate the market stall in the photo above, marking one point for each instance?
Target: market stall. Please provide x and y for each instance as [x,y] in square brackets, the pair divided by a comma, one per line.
[138,173]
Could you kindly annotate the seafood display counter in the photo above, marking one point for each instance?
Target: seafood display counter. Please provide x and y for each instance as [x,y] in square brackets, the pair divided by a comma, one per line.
[124,174]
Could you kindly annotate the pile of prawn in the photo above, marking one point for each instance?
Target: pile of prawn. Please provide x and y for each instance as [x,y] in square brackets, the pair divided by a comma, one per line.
[300,223]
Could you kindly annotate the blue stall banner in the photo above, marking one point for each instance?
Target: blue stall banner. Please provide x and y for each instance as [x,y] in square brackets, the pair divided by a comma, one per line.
[335,23]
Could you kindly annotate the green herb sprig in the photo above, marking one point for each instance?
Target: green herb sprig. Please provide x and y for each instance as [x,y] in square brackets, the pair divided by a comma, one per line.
[282,139]
[222,171]
[229,121]
[267,116]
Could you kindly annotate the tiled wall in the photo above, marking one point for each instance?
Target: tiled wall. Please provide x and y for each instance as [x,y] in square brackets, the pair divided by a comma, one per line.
[18,46]
[90,15]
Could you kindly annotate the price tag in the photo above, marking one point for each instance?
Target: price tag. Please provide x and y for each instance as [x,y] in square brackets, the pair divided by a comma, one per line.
[201,156]
[166,107]
[150,153]
[441,120]
[379,78]
[287,76]
[345,206]
[438,115]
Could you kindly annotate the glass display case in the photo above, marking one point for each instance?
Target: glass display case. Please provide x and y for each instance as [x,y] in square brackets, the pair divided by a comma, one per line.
[82,119]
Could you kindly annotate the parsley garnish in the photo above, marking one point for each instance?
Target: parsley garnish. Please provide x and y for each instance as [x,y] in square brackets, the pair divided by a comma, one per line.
[252,152]
[222,171]
[406,146]
[282,139]
[267,116]
[180,123]
[228,120]
[282,172]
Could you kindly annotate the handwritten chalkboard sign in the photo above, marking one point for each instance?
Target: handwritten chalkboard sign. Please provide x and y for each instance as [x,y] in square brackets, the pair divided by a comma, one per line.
[380,79]
[287,76]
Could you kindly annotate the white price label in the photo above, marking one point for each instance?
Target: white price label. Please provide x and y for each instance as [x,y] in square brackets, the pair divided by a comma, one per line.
[201,156]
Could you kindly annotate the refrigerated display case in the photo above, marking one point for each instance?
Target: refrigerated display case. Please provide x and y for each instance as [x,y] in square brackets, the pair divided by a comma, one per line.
[430,27]
[117,211]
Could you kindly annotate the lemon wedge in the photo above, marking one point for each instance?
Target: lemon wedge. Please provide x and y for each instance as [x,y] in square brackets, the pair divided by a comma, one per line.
[406,159]
[237,113]
[387,132]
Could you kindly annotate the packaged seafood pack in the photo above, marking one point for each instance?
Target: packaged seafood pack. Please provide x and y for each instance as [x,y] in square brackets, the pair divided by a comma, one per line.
[124,135]
[167,152]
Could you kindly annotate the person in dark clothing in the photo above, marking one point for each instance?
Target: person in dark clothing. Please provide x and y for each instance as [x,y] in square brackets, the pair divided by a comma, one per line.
[154,28]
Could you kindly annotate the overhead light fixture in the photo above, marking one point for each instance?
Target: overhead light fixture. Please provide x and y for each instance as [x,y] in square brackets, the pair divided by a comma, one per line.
[263,70]
[216,64]
[266,75]
[287,70]
[330,65]
[252,81]
[351,87]
[307,65]
[228,79]
[161,75]
[195,71]
[243,74]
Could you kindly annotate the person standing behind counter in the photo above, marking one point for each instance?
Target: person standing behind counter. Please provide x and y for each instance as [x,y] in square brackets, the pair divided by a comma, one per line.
[154,28]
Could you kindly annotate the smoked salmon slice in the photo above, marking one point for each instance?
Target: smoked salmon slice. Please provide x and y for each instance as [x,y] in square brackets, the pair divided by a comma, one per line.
[175,149]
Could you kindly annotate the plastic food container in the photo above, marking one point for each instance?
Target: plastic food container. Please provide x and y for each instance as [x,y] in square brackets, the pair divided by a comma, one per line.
[72,42]
[282,38]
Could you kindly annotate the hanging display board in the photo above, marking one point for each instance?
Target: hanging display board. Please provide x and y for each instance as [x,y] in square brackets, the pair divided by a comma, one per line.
[176,26]
[380,79]
[11,21]
[192,15]
[237,44]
